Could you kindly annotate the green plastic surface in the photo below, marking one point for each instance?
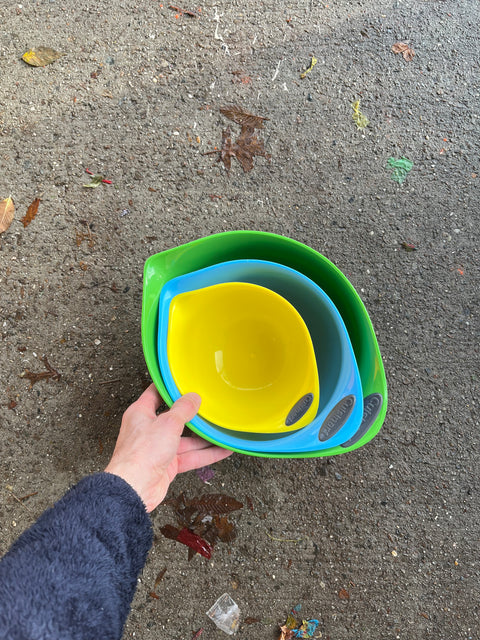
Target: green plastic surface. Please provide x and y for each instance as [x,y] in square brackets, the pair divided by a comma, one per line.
[233,245]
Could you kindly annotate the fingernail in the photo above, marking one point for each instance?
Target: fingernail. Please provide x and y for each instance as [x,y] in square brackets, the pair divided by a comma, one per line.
[195,398]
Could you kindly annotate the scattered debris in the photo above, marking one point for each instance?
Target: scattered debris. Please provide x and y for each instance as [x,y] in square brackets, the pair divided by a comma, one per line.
[251,620]
[406,51]
[242,117]
[41,56]
[96,180]
[408,247]
[29,495]
[206,473]
[197,634]
[400,168]
[343,594]
[313,62]
[216,35]
[20,500]
[225,614]
[42,375]
[31,213]
[183,12]
[202,521]
[7,213]
[158,579]
[293,629]
[240,77]
[360,120]
[277,70]
[80,236]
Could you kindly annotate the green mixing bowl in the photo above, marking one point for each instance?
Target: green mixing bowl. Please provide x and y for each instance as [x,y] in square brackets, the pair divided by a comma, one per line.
[237,245]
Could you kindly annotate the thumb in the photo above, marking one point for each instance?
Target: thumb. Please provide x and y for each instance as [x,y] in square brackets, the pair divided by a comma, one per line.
[186,407]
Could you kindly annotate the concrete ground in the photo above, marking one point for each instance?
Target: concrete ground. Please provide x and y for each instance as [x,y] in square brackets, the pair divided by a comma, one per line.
[381,542]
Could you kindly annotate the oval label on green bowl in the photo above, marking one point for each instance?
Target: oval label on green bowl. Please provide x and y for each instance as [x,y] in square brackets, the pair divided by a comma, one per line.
[299,409]
[336,418]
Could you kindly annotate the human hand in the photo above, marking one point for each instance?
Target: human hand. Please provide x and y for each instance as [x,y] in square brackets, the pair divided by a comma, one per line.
[150,449]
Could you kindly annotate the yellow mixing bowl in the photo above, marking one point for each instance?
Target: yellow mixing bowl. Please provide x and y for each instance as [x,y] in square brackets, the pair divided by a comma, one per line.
[248,353]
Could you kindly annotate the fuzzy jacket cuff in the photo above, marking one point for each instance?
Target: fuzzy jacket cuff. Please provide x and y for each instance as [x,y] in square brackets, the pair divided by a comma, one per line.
[73,574]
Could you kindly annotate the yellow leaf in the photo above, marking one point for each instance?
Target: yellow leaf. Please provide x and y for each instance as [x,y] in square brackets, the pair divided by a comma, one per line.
[360,120]
[312,64]
[41,56]
[7,212]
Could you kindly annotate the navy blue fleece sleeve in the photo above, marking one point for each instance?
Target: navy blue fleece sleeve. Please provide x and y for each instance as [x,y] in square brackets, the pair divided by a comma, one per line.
[72,575]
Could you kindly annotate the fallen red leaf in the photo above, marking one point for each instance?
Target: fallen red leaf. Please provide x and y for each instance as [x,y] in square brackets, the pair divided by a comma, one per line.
[195,542]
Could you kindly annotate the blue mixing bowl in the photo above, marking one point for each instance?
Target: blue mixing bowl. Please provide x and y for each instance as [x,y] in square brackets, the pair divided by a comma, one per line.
[340,409]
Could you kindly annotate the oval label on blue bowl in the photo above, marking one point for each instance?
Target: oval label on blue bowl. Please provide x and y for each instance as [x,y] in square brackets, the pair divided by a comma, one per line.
[299,409]
[371,408]
[336,418]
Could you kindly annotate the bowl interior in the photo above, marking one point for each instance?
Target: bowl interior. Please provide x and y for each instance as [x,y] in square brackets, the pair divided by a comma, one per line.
[247,352]
[234,245]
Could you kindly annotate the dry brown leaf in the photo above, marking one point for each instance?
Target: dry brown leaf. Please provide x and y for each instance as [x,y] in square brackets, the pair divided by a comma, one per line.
[243,118]
[248,146]
[7,212]
[41,56]
[343,594]
[285,633]
[243,149]
[404,49]
[31,213]
[225,528]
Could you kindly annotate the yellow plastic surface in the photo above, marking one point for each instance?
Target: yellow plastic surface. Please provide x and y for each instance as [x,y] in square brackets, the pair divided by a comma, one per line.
[247,352]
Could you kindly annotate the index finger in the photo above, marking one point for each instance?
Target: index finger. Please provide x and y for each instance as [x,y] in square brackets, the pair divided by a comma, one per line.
[150,399]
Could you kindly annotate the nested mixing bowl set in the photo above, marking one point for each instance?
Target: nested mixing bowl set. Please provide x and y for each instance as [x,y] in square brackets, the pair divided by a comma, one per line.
[272,336]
